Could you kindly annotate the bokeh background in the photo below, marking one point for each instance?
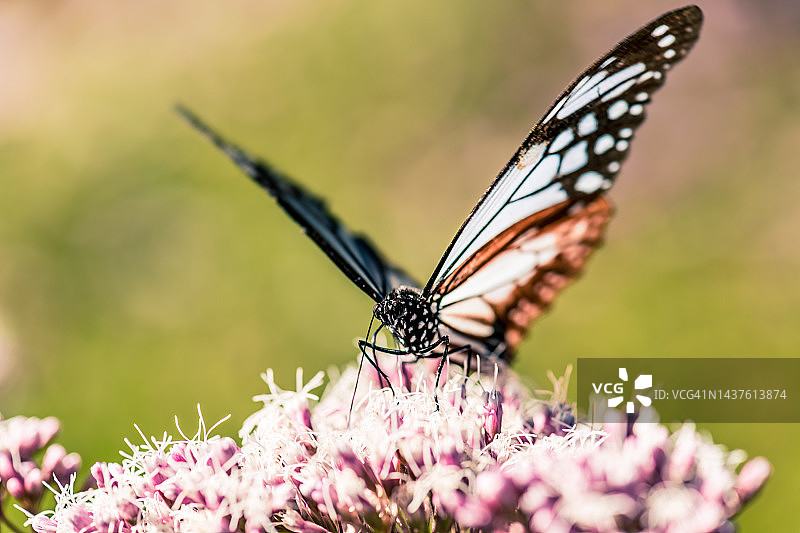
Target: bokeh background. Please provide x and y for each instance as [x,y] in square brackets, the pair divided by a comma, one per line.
[141,273]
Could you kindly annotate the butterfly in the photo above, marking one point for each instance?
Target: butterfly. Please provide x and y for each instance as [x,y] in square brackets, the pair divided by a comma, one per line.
[531,232]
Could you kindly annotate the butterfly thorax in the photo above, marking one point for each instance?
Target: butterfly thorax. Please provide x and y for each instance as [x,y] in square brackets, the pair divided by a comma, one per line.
[409,317]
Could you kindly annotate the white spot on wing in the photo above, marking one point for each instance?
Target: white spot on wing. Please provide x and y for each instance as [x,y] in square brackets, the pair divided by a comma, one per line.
[613,166]
[603,144]
[589,85]
[621,88]
[575,158]
[589,182]
[578,86]
[560,104]
[642,96]
[587,125]
[473,307]
[622,75]
[661,30]
[579,98]
[608,61]
[468,326]
[561,140]
[501,294]
[636,109]
[616,79]
[669,54]
[625,133]
[555,109]
[544,245]
[622,146]
[617,109]
[666,41]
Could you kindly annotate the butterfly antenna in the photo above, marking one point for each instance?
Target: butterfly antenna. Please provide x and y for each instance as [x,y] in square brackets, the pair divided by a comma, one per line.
[358,374]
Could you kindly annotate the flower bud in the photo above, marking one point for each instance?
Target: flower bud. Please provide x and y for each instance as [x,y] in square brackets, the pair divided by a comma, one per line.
[752,477]
[496,491]
[492,415]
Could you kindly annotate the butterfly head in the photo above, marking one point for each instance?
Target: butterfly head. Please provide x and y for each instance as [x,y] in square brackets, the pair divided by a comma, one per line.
[409,317]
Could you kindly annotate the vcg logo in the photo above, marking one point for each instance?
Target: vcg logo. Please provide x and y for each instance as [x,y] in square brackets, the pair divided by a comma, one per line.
[644,381]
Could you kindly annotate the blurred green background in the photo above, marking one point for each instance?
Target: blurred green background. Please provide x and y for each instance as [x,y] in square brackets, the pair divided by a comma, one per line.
[141,273]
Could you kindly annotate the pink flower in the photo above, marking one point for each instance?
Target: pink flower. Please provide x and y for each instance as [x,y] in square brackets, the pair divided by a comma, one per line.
[503,461]
[21,474]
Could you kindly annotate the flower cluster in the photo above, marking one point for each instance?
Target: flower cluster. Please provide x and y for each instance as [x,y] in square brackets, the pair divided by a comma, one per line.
[482,454]
[21,474]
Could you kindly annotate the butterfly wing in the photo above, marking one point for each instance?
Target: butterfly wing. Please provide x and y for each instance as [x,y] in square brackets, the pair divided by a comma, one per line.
[352,253]
[535,226]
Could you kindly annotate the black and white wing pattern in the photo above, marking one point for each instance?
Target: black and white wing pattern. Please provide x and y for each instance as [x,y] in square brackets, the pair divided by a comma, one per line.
[535,226]
[352,253]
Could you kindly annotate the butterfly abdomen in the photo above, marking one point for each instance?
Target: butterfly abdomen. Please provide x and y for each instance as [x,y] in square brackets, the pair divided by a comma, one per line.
[409,317]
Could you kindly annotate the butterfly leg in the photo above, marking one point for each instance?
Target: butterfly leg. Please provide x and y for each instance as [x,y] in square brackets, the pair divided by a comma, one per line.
[404,375]
[439,370]
[427,353]
[381,376]
[443,356]
[381,349]
[363,345]
[446,354]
